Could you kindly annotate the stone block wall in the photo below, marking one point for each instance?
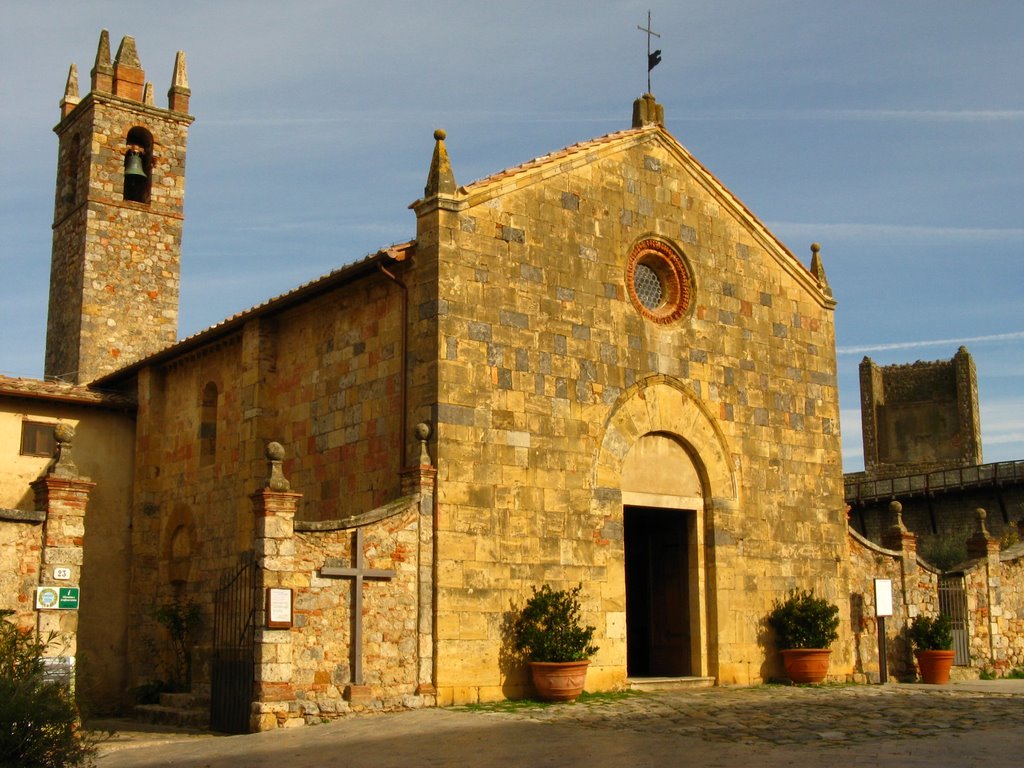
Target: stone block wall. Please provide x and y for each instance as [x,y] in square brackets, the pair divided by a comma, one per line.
[994,592]
[115,268]
[316,670]
[323,379]
[20,563]
[914,592]
[921,416]
[540,344]
[1010,622]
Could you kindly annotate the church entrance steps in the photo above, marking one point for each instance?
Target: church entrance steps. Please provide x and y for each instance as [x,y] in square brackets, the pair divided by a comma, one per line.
[668,683]
[181,710]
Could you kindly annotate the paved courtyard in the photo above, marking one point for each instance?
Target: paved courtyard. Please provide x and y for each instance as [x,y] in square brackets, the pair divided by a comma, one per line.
[964,724]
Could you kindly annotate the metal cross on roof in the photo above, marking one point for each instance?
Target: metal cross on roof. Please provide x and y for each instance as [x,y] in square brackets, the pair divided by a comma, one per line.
[653,58]
[358,573]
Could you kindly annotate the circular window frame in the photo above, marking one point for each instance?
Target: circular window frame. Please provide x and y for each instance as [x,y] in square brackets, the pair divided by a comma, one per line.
[672,272]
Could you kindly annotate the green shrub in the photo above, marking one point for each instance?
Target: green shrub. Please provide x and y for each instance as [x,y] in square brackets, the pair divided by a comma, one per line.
[549,628]
[39,725]
[943,550]
[804,621]
[931,633]
[182,620]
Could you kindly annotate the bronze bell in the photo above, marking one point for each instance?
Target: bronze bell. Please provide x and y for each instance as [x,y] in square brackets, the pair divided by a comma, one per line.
[133,165]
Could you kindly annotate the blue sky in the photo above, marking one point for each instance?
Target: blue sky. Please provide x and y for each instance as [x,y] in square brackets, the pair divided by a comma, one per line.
[890,132]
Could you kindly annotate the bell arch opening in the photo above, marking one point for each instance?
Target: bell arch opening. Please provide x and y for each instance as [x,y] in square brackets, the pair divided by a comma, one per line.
[138,165]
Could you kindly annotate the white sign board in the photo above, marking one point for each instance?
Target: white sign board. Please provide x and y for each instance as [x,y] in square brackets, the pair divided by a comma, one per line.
[883,597]
[279,608]
[62,573]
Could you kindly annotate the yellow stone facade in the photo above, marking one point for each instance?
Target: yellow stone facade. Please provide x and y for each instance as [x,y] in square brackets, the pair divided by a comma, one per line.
[549,377]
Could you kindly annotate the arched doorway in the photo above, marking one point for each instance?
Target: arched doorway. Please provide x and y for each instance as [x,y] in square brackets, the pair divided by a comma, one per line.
[663,506]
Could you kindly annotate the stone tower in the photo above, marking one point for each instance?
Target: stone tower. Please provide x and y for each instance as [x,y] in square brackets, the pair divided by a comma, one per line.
[118,213]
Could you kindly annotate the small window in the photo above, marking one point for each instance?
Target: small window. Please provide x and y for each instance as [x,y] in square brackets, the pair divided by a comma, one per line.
[658,281]
[38,439]
[208,425]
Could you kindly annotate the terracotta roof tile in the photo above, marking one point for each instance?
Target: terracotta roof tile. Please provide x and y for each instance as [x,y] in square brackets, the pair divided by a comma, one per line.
[37,389]
[561,154]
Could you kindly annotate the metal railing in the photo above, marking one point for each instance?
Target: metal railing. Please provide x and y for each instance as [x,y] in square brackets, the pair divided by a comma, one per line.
[999,473]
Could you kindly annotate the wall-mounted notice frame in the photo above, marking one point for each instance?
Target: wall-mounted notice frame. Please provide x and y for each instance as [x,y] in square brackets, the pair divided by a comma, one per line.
[279,608]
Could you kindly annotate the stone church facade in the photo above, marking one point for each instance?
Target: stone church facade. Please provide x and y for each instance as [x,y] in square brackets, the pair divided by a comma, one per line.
[597,367]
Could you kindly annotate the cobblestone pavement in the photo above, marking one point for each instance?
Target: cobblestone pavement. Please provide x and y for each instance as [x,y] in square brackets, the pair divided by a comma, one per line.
[799,715]
[770,726]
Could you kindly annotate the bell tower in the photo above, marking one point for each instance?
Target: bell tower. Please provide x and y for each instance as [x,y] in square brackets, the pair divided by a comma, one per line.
[118,214]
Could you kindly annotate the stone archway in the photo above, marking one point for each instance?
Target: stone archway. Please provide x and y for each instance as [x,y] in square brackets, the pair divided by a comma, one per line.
[663,471]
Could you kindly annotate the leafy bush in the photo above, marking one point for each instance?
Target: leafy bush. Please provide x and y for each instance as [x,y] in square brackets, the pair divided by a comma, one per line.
[804,621]
[181,619]
[931,633]
[38,717]
[549,628]
[943,550]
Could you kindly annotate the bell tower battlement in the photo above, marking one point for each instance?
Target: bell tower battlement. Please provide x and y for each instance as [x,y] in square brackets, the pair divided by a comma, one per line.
[118,215]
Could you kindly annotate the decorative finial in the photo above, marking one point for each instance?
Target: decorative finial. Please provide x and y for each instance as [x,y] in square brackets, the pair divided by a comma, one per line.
[127,56]
[63,464]
[71,99]
[896,509]
[147,94]
[178,94]
[102,71]
[818,270]
[277,481]
[422,432]
[440,179]
[981,514]
[128,75]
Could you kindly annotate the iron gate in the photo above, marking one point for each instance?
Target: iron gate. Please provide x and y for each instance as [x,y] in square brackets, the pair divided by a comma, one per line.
[953,603]
[233,667]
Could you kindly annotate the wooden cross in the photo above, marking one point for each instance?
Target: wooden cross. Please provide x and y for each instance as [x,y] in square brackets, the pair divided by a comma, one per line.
[359,574]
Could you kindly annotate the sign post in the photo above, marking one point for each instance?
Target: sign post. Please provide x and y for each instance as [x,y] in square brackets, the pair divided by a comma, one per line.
[883,608]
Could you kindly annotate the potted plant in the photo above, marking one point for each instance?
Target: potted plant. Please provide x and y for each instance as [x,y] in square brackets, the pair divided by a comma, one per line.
[932,638]
[548,633]
[805,626]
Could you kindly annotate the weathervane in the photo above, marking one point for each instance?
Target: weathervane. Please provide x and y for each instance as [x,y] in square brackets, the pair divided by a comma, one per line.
[653,59]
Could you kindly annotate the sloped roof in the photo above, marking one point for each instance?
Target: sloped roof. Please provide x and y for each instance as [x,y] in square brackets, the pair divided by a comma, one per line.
[361,268]
[58,391]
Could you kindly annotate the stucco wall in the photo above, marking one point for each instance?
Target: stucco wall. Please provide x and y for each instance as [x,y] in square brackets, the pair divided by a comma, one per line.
[102,449]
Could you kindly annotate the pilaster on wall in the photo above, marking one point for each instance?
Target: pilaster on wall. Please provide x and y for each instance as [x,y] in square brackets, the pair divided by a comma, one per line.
[62,494]
[985,547]
[274,507]
[422,480]
[898,538]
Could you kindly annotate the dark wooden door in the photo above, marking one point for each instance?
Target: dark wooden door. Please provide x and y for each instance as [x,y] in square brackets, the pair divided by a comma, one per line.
[657,592]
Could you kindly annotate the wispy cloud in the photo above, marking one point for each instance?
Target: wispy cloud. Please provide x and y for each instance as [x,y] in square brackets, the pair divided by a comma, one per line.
[992,338]
[853,230]
[861,115]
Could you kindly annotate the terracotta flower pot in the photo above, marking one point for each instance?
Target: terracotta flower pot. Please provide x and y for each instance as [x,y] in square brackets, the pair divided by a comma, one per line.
[806,665]
[934,666]
[559,680]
